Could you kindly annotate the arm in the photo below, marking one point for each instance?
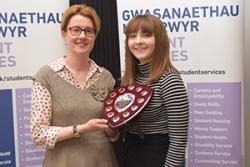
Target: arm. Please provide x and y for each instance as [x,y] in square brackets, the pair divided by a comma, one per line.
[43,135]
[176,102]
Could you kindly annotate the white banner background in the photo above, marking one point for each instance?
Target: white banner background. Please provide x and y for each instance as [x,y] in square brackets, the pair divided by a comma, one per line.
[216,46]
[29,38]
[207,48]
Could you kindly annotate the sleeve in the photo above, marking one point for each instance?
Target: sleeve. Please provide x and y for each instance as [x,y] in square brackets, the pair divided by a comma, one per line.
[42,134]
[176,104]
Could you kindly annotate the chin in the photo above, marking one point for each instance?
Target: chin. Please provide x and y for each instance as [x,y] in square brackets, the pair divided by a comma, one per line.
[144,60]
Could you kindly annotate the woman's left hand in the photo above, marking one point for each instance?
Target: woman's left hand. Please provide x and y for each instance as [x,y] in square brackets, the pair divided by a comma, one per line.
[111,132]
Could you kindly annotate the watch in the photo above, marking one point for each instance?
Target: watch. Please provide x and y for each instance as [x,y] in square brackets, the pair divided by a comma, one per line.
[76,134]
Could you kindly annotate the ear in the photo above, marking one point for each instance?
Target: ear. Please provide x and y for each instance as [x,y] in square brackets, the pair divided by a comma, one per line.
[63,33]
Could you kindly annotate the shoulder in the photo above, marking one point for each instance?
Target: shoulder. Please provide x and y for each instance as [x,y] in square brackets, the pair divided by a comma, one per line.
[52,67]
[106,72]
[44,75]
[171,77]
[172,86]
[44,70]
[107,78]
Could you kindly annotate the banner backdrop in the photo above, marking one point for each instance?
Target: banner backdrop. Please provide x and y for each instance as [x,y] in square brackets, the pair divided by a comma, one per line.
[206,39]
[29,38]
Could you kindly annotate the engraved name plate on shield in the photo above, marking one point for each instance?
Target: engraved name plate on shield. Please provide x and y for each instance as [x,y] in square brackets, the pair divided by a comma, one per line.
[124,103]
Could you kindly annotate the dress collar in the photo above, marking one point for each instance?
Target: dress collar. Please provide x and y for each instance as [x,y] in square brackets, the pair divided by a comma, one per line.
[59,65]
[144,69]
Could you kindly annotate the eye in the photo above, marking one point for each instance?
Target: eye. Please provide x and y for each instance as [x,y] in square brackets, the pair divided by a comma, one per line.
[89,30]
[76,30]
[132,35]
[146,34]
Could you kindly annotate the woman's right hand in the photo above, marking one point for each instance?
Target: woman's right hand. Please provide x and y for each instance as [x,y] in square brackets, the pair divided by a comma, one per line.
[94,125]
[91,126]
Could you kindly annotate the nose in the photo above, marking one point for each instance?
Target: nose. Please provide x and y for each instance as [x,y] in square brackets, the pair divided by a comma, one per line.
[138,39]
[82,34]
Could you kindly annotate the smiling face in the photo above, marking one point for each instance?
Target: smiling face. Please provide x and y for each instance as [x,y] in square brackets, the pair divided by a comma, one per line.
[79,44]
[152,46]
[141,45]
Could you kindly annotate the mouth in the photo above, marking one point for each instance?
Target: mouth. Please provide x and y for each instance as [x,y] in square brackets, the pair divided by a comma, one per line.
[140,49]
[82,43]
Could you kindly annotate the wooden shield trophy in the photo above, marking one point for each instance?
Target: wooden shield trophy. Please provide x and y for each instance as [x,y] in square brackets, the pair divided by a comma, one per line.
[124,103]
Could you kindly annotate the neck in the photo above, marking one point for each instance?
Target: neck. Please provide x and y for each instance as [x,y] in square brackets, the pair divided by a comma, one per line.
[76,64]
